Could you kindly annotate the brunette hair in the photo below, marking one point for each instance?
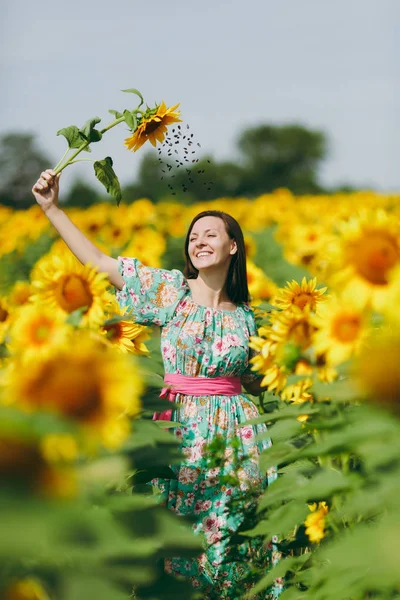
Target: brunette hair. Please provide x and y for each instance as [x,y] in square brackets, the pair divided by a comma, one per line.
[236,281]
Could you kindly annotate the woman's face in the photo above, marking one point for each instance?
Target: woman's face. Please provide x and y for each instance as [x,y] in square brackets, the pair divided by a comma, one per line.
[209,243]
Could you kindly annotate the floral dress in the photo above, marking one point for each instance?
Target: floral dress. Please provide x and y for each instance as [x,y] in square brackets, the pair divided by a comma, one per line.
[202,341]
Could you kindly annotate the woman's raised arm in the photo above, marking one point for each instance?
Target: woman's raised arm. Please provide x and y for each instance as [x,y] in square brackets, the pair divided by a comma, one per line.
[46,191]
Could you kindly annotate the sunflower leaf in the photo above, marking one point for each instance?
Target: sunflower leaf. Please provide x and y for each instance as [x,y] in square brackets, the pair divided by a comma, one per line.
[134,91]
[117,114]
[106,175]
[89,132]
[130,119]
[73,136]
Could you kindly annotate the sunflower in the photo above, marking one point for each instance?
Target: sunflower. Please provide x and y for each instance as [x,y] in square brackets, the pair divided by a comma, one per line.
[294,326]
[20,293]
[37,331]
[377,370]
[153,126]
[364,256]
[123,334]
[86,382]
[64,284]
[297,393]
[301,295]
[341,329]
[315,522]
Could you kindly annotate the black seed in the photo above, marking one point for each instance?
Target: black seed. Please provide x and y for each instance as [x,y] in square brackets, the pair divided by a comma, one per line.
[198,145]
[187,126]
[179,126]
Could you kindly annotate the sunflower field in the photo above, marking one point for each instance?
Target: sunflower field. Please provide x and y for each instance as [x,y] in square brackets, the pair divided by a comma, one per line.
[79,383]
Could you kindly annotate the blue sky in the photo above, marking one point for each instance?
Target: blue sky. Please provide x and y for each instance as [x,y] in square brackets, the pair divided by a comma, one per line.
[230,63]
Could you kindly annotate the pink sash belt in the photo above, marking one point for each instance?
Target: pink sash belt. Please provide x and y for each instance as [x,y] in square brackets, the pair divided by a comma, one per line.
[196,386]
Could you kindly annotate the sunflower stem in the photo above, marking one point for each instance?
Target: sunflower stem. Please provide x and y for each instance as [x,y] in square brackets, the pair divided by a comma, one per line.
[71,160]
[62,158]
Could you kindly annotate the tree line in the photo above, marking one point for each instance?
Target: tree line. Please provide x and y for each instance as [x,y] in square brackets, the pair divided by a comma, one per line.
[269,157]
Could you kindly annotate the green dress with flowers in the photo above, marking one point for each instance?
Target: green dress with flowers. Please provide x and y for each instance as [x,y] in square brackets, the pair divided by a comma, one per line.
[202,341]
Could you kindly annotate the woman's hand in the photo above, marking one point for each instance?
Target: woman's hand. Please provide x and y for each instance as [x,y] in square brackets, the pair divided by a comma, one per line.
[46,189]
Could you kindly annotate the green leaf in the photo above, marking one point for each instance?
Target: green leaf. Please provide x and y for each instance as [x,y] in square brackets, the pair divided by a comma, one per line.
[73,136]
[134,91]
[130,119]
[106,175]
[89,132]
[116,113]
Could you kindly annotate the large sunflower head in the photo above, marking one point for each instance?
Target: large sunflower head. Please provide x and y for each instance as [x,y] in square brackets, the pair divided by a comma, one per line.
[37,331]
[341,329]
[86,383]
[66,285]
[153,126]
[301,295]
[366,252]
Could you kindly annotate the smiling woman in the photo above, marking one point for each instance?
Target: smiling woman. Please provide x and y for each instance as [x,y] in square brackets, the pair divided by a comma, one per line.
[206,323]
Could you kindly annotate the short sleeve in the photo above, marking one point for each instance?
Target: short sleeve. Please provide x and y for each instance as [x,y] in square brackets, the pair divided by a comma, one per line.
[248,375]
[150,294]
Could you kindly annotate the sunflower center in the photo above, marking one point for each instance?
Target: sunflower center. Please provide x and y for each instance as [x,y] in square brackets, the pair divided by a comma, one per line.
[151,126]
[3,314]
[346,327]
[73,293]
[41,332]
[300,333]
[75,392]
[113,331]
[301,300]
[375,256]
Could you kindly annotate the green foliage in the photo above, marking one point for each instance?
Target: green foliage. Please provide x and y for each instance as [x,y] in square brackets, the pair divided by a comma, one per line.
[89,132]
[16,266]
[74,137]
[137,93]
[106,175]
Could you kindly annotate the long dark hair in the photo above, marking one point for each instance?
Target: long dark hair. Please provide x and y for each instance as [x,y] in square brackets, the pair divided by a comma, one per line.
[236,281]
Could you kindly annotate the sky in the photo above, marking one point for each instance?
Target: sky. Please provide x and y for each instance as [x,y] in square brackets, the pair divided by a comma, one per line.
[232,64]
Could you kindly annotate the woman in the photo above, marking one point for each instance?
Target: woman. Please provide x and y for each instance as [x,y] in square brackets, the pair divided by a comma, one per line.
[206,322]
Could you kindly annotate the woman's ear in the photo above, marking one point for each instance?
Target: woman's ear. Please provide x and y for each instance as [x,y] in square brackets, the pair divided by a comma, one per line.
[233,249]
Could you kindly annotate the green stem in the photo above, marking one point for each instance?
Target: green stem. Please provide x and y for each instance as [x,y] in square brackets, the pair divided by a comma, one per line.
[62,158]
[81,160]
[59,168]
